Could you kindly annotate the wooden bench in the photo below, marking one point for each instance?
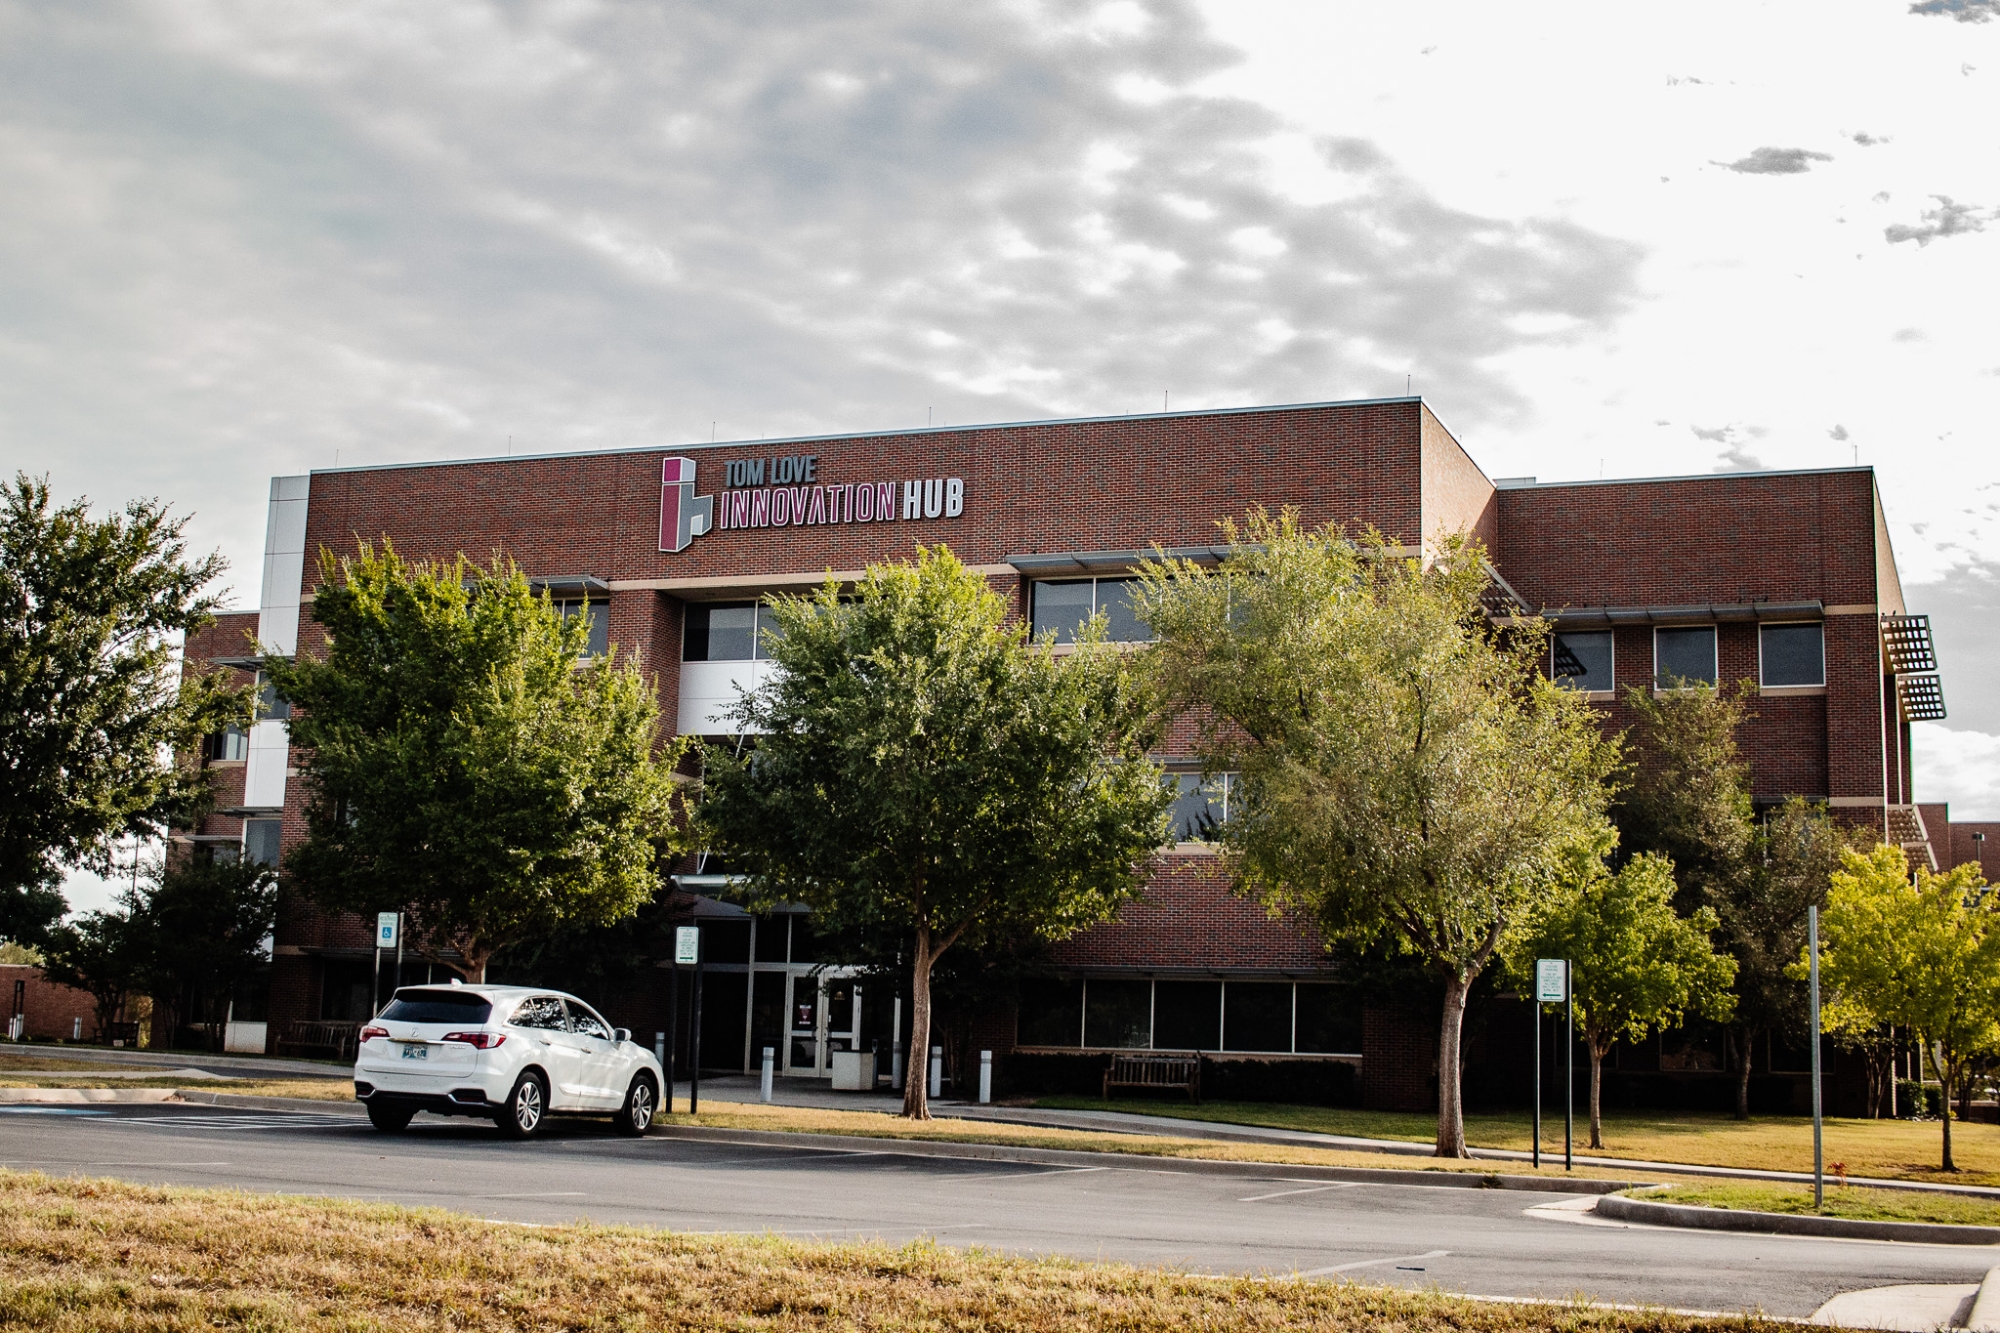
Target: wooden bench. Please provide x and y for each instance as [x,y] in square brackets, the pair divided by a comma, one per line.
[1155,1072]
[320,1034]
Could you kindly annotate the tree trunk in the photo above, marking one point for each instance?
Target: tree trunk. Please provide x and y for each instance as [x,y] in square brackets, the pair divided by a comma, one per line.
[916,1073]
[1451,1101]
[1742,1052]
[1947,1068]
[1596,1094]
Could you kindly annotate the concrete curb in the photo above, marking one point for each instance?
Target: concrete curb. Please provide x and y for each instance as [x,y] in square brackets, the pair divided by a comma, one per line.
[1984,1316]
[72,1096]
[1137,1161]
[251,1101]
[1790,1224]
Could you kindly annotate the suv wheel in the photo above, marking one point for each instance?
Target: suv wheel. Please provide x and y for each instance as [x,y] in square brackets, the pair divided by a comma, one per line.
[527,1106]
[388,1118]
[642,1102]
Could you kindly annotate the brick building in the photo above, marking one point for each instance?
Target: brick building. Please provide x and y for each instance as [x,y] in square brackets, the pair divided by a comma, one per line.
[1781,578]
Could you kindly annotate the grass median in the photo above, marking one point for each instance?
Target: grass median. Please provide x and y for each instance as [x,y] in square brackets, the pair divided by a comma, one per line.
[79,1254]
[1850,1201]
[1889,1149]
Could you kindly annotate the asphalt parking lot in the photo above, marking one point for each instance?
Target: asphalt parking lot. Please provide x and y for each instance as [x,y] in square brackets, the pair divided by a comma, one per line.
[1485,1242]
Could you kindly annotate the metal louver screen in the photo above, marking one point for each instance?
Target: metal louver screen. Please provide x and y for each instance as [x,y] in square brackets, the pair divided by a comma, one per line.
[1922,697]
[1907,641]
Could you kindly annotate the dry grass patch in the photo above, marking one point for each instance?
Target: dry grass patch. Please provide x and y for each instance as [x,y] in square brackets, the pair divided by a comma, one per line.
[1841,1201]
[93,1255]
[10,1060]
[1890,1149]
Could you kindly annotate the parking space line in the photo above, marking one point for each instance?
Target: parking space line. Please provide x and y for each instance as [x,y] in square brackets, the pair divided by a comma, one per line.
[1397,1259]
[1309,1189]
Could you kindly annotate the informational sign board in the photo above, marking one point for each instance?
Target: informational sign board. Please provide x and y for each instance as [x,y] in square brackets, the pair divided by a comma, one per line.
[385,929]
[687,944]
[1551,980]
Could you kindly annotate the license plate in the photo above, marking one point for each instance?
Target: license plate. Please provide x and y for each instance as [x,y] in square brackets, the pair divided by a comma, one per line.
[416,1052]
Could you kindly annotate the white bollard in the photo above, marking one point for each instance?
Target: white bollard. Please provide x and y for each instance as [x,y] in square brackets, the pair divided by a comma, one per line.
[76,1029]
[896,1065]
[985,1077]
[937,1071]
[770,1059]
[660,1048]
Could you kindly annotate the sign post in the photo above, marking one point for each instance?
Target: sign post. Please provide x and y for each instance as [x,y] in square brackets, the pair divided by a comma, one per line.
[687,949]
[387,936]
[1569,1062]
[1551,987]
[1812,954]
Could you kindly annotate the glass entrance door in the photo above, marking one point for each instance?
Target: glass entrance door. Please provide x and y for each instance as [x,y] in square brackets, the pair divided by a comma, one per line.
[805,1051]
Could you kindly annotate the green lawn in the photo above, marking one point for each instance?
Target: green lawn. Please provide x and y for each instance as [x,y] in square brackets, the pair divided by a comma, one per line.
[1864,1204]
[1892,1149]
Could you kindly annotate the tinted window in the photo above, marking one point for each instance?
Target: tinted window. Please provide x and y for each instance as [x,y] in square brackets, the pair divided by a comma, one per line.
[1051,1013]
[771,933]
[1198,807]
[1122,623]
[600,624]
[438,1006]
[1582,661]
[1684,656]
[1257,1016]
[1062,607]
[270,707]
[723,632]
[586,1023]
[260,841]
[1792,654]
[541,1011]
[1329,1019]
[1118,1013]
[1187,1015]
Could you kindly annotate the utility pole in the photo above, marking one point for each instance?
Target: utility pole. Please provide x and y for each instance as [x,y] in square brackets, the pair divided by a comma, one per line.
[1812,955]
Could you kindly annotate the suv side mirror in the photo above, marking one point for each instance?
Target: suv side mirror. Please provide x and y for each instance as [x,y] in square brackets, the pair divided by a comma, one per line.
[621,1035]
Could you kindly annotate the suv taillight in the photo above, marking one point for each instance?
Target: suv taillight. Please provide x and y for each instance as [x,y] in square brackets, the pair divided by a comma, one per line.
[479,1041]
[370,1033]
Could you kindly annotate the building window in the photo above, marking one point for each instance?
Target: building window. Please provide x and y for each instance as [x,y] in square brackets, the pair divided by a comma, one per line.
[1199,806]
[260,841]
[1582,661]
[1252,1017]
[727,632]
[271,707]
[1791,654]
[1683,657]
[597,616]
[1064,606]
[1118,1013]
[228,745]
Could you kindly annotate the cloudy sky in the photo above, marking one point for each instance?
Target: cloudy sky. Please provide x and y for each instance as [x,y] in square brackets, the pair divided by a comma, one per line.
[242,239]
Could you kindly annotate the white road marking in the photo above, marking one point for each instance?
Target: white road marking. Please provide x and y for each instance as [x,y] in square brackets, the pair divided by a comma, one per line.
[542,1194]
[1371,1263]
[1309,1189]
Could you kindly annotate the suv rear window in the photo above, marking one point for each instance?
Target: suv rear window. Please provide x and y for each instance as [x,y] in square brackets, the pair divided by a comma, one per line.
[438,1006]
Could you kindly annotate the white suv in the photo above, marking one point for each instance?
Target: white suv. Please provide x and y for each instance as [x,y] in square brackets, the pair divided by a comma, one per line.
[510,1053]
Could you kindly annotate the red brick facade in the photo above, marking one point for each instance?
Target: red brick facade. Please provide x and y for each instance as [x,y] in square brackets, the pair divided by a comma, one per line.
[1100,487]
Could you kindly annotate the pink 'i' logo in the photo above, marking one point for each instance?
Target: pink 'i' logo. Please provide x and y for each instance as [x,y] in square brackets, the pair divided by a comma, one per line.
[683,514]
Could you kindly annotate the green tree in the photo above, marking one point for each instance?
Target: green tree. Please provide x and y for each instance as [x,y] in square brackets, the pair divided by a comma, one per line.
[1686,794]
[204,924]
[93,707]
[465,763]
[1404,767]
[924,773]
[1920,951]
[105,954]
[1636,963]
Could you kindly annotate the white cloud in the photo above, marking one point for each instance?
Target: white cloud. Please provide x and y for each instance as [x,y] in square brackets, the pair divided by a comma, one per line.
[1962,767]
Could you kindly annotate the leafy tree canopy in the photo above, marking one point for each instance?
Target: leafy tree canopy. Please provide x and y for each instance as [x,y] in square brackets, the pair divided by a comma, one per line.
[1404,767]
[924,773]
[1686,793]
[206,923]
[1920,951]
[93,706]
[1636,964]
[465,762]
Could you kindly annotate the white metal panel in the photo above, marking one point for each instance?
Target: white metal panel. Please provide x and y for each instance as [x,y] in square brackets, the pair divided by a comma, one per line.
[709,690]
[264,768]
[284,566]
